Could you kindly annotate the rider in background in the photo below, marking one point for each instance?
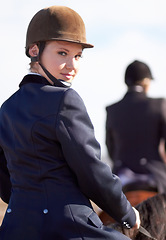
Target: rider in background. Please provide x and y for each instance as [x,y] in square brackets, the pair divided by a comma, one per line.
[135,127]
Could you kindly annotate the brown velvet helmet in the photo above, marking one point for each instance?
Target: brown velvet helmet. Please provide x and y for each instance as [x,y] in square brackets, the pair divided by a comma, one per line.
[56,23]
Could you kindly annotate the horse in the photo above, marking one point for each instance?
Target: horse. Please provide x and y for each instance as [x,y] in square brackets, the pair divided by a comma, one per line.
[136,193]
[153,219]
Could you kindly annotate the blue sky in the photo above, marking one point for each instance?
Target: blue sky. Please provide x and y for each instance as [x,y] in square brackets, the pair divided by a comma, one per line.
[122,31]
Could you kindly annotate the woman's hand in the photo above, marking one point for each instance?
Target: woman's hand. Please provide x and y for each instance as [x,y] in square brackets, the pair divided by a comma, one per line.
[138,221]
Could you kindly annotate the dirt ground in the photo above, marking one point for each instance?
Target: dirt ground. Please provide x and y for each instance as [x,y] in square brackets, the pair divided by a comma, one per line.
[3,207]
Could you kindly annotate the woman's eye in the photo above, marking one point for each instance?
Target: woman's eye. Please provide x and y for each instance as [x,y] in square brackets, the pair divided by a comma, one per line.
[77,57]
[62,53]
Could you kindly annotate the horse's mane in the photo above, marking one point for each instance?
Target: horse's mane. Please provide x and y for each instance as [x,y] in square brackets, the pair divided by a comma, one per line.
[153,218]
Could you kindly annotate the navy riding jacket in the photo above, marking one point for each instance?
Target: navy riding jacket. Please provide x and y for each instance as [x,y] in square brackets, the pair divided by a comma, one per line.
[47,143]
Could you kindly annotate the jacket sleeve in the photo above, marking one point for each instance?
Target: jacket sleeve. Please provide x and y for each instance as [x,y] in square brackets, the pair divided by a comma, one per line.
[82,153]
[163,119]
[5,184]
[109,137]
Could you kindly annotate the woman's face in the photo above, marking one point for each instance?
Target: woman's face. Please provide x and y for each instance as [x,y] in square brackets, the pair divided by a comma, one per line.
[62,59]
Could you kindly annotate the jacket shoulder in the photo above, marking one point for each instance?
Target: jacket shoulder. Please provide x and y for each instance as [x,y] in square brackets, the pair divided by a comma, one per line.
[113,105]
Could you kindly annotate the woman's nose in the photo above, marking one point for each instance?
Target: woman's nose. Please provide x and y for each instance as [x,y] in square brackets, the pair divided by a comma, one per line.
[70,64]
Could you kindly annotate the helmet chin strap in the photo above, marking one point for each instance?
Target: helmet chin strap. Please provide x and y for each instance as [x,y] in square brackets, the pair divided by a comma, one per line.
[57,82]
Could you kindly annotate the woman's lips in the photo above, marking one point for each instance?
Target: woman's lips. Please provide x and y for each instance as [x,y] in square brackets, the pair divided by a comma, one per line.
[67,75]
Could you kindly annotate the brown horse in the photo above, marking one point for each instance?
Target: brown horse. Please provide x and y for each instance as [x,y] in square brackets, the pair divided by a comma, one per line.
[153,218]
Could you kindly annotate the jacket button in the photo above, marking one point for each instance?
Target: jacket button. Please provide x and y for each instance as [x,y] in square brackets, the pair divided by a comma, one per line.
[143,161]
[45,211]
[127,225]
[9,210]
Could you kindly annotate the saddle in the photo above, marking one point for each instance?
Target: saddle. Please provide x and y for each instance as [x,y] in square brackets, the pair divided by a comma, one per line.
[136,192]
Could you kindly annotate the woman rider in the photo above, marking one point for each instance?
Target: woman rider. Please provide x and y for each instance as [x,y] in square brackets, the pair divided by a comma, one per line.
[47,142]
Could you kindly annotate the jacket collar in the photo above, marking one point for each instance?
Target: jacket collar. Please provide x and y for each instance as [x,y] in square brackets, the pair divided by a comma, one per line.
[136,88]
[136,91]
[36,78]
